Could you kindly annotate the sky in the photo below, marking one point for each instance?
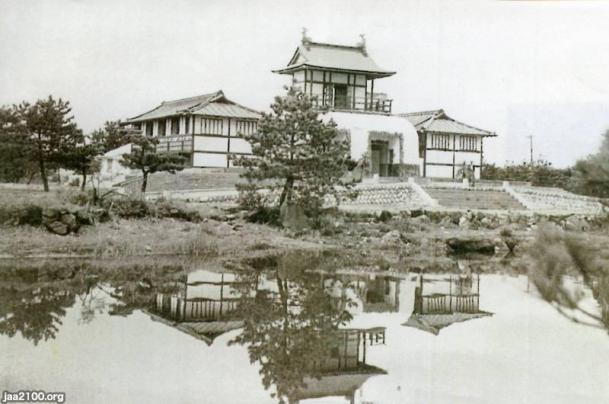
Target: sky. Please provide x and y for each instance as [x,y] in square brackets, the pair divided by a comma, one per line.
[518,68]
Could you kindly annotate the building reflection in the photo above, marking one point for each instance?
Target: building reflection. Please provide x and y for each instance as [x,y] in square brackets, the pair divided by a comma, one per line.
[204,305]
[442,301]
[344,370]
[292,325]
[377,294]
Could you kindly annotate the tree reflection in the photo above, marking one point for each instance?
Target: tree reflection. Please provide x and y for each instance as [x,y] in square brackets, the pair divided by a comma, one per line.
[33,301]
[34,312]
[291,325]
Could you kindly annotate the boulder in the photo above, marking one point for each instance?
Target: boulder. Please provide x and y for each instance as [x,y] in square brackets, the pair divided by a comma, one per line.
[423,219]
[392,238]
[464,222]
[60,221]
[57,227]
[446,222]
[576,223]
[470,245]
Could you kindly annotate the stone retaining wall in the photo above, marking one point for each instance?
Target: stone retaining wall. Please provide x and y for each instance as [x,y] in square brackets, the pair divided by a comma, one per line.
[555,200]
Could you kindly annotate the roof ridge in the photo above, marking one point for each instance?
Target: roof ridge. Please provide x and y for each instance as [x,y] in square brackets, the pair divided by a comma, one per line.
[334,45]
[429,112]
[193,97]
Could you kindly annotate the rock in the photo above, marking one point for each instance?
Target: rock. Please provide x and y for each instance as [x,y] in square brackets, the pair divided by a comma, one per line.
[464,222]
[391,238]
[71,221]
[416,212]
[471,245]
[446,222]
[60,221]
[57,227]
[423,219]
[485,222]
[293,217]
[576,223]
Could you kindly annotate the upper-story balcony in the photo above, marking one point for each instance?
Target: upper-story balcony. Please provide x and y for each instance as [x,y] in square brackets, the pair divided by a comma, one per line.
[371,103]
[341,77]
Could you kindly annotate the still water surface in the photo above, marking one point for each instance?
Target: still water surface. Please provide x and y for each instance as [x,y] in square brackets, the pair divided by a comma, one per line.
[223,337]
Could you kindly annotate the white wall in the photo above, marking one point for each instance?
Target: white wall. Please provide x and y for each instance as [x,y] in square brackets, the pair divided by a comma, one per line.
[439,171]
[201,159]
[360,125]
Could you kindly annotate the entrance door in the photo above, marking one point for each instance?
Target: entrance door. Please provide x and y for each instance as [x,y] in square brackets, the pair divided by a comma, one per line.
[380,158]
[375,159]
[340,96]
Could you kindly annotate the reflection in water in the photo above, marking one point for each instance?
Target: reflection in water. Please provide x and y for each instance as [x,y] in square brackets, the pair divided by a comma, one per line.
[378,294]
[310,335]
[204,306]
[446,302]
[35,311]
[292,328]
[290,324]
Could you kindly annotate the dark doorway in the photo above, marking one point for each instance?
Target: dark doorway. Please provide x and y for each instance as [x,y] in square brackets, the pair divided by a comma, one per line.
[340,96]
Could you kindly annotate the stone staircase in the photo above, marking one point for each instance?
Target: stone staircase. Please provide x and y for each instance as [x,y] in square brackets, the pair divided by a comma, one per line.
[468,198]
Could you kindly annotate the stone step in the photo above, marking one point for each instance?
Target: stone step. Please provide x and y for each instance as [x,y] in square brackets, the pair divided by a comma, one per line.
[474,199]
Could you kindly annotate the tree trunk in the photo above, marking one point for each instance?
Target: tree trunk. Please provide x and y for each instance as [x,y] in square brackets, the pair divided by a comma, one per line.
[84,180]
[144,181]
[43,174]
[287,191]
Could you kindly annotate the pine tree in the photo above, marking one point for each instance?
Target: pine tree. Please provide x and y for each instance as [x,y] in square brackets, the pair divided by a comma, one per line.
[295,151]
[144,157]
[50,130]
[15,153]
[111,136]
[80,159]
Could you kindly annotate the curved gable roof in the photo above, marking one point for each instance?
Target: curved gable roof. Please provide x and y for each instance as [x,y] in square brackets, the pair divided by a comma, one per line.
[438,122]
[213,104]
[334,57]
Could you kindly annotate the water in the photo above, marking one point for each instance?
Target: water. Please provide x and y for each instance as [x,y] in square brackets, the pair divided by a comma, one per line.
[216,336]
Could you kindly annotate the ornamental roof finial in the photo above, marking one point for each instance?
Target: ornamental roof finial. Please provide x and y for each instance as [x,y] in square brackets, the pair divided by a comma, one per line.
[362,44]
[305,37]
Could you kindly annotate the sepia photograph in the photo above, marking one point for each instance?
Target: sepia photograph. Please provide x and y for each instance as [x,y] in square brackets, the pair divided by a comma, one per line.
[314,202]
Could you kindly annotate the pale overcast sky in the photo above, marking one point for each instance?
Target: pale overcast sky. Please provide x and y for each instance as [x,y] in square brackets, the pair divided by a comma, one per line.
[515,67]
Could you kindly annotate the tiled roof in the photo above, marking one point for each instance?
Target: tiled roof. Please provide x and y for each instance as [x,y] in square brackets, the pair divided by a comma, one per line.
[433,323]
[335,57]
[226,109]
[215,104]
[438,122]
[342,382]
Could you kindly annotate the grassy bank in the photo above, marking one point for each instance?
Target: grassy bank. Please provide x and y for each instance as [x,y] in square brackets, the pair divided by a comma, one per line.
[133,228]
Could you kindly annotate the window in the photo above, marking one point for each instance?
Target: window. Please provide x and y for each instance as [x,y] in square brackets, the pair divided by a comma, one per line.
[175,125]
[149,127]
[187,125]
[246,127]
[162,127]
[468,143]
[440,141]
[212,126]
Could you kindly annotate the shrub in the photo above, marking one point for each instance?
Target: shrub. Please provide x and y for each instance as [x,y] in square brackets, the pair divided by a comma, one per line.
[385,216]
[265,215]
[128,208]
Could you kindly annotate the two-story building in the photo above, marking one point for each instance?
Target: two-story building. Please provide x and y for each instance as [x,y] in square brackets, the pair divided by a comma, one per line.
[208,127]
[342,78]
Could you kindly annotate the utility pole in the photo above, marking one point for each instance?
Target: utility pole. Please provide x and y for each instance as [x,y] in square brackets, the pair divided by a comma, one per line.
[531,147]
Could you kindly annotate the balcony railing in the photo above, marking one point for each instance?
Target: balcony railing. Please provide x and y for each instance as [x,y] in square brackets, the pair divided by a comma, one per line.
[369,103]
[175,143]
